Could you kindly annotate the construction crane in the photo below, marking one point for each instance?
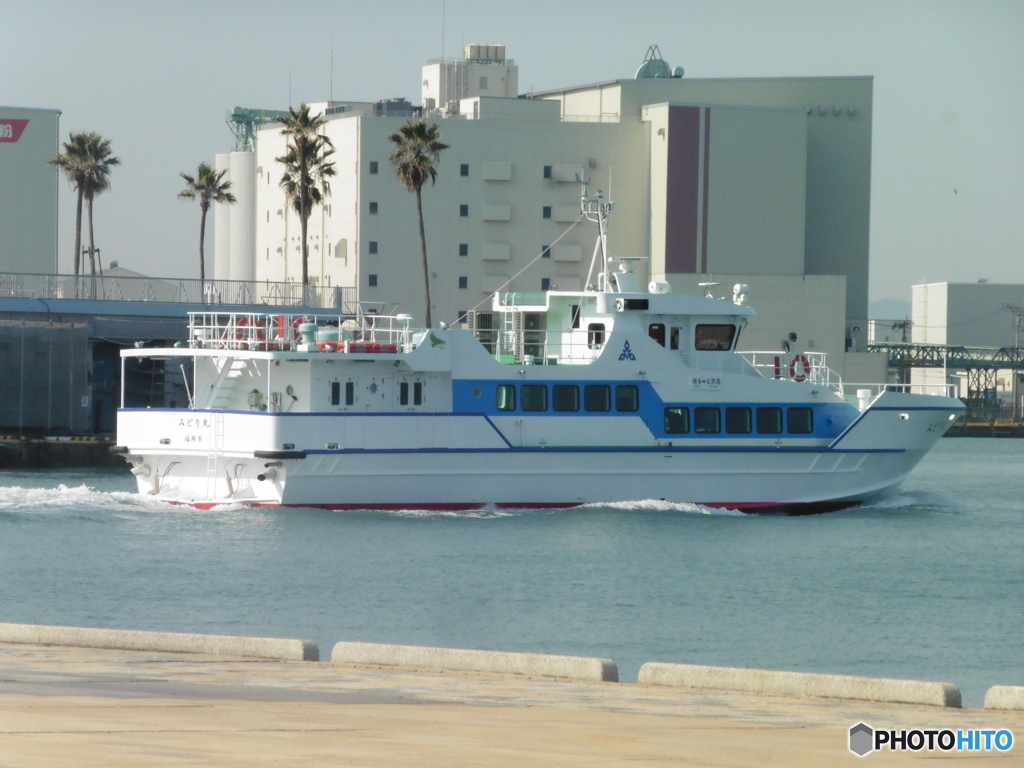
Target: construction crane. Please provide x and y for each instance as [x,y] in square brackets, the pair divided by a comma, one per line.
[244,123]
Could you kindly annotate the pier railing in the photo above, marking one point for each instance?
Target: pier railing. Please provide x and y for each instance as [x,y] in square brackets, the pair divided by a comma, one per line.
[175,290]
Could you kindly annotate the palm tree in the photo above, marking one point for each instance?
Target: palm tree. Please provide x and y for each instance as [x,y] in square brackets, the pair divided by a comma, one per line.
[306,170]
[209,186]
[86,162]
[417,148]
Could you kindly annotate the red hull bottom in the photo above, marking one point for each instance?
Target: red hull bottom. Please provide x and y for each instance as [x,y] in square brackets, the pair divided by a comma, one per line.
[751,508]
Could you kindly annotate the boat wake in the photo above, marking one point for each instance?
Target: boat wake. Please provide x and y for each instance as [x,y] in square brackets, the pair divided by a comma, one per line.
[657,505]
[911,500]
[64,500]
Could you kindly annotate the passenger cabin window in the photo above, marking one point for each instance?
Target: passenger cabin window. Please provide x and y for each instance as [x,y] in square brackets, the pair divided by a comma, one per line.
[565,397]
[627,398]
[769,421]
[350,392]
[403,393]
[595,335]
[657,332]
[506,397]
[677,421]
[799,421]
[335,393]
[714,337]
[707,421]
[737,421]
[417,393]
[535,397]
[597,397]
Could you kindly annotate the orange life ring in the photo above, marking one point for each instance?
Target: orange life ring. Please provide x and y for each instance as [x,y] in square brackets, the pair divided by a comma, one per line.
[804,371]
[331,346]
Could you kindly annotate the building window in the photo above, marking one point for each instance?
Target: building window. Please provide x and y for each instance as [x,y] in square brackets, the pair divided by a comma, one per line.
[463,249]
[545,251]
[463,282]
[464,169]
[373,166]
[547,171]
[373,207]
[545,283]
[372,281]
[483,82]
[546,212]
[463,210]
[373,246]
[463,316]
[677,421]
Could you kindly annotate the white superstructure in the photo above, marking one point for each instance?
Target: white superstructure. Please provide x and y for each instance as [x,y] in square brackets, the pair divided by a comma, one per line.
[568,397]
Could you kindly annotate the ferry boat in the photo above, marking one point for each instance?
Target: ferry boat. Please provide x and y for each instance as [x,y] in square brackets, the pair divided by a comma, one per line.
[613,394]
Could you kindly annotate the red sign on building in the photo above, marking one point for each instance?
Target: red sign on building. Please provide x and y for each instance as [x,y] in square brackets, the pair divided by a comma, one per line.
[11,129]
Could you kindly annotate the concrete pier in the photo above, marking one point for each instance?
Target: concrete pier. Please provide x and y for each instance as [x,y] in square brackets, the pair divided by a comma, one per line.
[97,708]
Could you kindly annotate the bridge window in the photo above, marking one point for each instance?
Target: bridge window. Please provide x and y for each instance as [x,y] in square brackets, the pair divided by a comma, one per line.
[677,421]
[565,397]
[769,421]
[657,332]
[737,421]
[714,337]
[627,398]
[707,421]
[535,397]
[799,421]
[506,397]
[597,397]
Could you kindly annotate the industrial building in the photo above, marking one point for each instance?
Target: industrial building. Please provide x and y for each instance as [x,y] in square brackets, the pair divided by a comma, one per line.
[28,210]
[758,181]
[981,323]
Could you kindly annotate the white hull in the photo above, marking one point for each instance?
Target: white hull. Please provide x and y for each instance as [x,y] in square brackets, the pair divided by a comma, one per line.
[481,469]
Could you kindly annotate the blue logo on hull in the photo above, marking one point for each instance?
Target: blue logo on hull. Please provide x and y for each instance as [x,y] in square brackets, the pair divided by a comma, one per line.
[627,353]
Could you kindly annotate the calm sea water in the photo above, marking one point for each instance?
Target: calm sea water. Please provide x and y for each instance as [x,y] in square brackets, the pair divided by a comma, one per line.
[928,585]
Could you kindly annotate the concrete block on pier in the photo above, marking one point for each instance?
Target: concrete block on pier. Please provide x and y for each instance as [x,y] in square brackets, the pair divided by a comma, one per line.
[464,660]
[1005,697]
[777,683]
[162,642]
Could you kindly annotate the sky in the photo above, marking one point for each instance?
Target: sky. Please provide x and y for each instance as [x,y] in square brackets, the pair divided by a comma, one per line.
[156,78]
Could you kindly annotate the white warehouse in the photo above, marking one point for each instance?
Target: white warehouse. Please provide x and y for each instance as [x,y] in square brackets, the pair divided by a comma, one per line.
[763,181]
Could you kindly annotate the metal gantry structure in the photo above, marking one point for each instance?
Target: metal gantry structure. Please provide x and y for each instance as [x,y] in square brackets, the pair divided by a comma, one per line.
[981,363]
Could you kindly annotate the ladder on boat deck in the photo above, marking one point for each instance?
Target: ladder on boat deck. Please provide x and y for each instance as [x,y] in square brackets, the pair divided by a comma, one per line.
[512,334]
[213,448]
[224,386]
